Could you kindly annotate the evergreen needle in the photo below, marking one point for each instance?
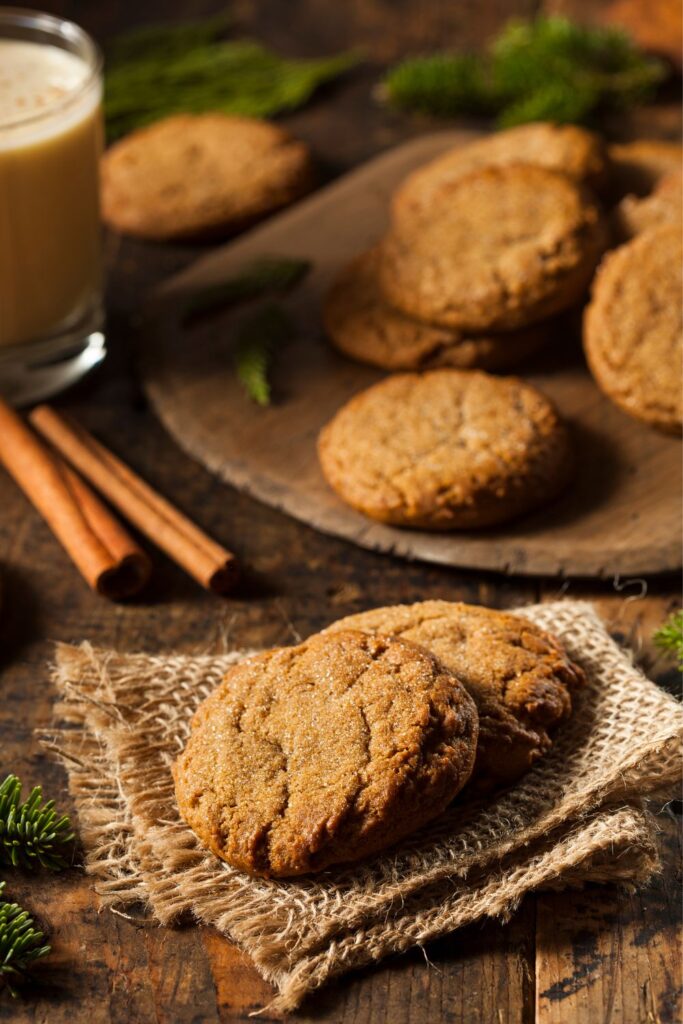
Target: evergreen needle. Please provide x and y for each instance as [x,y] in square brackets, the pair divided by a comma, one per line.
[546,69]
[31,833]
[190,68]
[20,943]
[261,275]
[669,637]
[259,336]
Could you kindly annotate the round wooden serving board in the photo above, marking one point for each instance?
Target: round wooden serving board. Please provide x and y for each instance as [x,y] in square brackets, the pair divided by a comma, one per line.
[621,516]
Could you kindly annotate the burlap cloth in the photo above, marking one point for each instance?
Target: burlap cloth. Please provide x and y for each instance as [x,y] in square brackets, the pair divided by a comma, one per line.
[578,816]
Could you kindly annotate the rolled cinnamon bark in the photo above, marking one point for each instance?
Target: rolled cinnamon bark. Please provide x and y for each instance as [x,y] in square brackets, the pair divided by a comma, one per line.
[208,562]
[106,556]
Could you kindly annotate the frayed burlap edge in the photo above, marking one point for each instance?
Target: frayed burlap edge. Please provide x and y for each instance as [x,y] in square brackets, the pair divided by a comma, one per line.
[574,818]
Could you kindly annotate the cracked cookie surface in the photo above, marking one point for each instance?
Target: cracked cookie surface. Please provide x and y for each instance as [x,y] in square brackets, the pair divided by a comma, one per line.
[363,326]
[574,151]
[195,174]
[510,246]
[518,675]
[324,753]
[633,327]
[446,449]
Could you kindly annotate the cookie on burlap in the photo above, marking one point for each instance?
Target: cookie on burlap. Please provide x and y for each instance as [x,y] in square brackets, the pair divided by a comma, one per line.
[196,174]
[361,325]
[446,449]
[566,148]
[325,753]
[638,166]
[663,206]
[512,246]
[633,327]
[517,674]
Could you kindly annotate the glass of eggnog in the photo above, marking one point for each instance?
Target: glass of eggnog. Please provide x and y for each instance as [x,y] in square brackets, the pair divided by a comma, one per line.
[50,236]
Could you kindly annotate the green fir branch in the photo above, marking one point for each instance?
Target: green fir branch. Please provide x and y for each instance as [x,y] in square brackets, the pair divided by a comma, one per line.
[21,944]
[546,69]
[32,834]
[259,276]
[190,68]
[259,338]
[669,637]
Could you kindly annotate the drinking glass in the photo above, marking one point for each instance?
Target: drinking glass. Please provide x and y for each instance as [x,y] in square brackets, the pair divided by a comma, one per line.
[51,313]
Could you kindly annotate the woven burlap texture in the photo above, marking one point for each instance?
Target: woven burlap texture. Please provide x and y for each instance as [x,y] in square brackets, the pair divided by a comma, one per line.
[577,816]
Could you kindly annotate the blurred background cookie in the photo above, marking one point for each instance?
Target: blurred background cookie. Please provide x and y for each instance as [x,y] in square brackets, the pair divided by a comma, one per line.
[192,175]
[568,149]
[664,205]
[633,327]
[638,166]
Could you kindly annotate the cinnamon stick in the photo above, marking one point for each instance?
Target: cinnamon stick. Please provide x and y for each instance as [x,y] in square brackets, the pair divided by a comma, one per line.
[106,556]
[209,563]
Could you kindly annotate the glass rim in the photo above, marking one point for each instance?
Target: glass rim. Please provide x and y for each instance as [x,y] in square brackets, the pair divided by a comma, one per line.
[61,29]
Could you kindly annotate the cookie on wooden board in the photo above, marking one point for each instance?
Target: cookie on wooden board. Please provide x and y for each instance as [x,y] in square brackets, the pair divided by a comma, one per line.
[513,246]
[197,174]
[446,449]
[517,674]
[571,150]
[638,166]
[362,325]
[633,327]
[325,753]
[664,205]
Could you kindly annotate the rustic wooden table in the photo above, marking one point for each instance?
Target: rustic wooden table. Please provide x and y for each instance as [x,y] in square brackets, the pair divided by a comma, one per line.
[594,956]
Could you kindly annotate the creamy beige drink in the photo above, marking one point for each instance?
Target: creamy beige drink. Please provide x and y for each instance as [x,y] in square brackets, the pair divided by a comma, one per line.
[50,142]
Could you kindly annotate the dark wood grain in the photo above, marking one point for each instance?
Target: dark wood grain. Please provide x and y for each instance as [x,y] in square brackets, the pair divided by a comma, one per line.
[109,970]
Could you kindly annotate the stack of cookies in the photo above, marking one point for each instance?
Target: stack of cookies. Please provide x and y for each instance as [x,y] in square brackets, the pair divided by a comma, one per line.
[488,245]
[329,752]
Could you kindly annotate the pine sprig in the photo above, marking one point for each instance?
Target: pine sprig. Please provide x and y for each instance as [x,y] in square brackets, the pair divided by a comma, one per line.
[31,832]
[259,337]
[546,69]
[190,68]
[261,275]
[669,637]
[21,944]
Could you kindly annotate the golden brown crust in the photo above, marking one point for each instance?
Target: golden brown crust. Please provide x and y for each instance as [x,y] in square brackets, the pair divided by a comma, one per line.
[633,328]
[447,449]
[190,175]
[513,246]
[324,753]
[517,674]
[638,166]
[571,150]
[361,325]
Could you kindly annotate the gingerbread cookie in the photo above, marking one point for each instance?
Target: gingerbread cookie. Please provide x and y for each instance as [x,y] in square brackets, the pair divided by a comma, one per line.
[192,175]
[446,449]
[325,753]
[363,326]
[566,148]
[517,674]
[513,246]
[633,327]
